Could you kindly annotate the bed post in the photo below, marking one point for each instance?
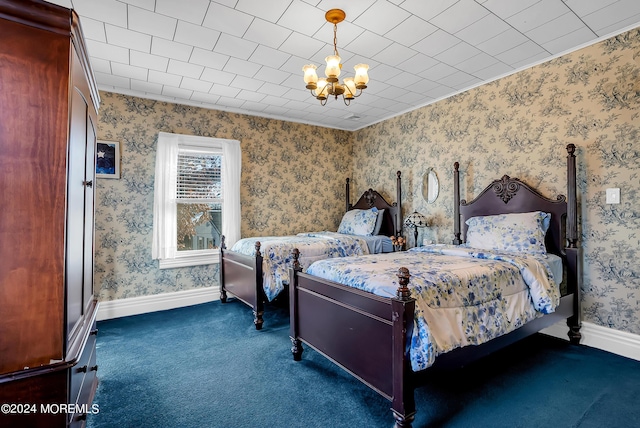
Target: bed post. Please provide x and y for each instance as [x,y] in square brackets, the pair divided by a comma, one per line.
[296,344]
[347,205]
[403,403]
[398,222]
[456,204]
[258,308]
[223,292]
[573,250]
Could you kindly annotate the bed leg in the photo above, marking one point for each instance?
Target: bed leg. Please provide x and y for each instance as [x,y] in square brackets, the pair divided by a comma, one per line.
[403,421]
[296,349]
[574,331]
[257,319]
[223,295]
[223,292]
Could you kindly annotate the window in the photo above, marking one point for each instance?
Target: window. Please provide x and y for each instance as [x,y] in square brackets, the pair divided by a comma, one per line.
[196,199]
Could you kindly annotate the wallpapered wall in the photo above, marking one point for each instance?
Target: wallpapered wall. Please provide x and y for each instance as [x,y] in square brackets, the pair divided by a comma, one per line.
[520,125]
[293,175]
[293,179]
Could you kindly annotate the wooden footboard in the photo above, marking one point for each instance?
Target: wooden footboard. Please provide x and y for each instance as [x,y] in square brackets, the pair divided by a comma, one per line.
[365,334]
[241,276]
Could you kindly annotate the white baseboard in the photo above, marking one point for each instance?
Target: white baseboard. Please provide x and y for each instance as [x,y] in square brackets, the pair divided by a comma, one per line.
[607,339]
[157,302]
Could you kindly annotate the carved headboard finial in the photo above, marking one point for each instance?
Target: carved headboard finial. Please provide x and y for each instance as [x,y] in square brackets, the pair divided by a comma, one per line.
[370,196]
[506,188]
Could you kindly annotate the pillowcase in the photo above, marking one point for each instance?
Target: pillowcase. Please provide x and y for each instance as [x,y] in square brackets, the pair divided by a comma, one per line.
[376,230]
[521,232]
[359,222]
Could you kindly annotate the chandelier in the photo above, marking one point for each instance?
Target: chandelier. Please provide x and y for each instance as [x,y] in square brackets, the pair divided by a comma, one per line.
[322,88]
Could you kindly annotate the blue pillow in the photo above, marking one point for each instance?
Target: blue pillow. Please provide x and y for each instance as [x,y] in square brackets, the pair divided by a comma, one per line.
[359,222]
[520,232]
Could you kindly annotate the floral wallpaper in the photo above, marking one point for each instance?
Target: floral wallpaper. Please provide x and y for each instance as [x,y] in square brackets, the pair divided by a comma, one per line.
[293,174]
[293,179]
[519,125]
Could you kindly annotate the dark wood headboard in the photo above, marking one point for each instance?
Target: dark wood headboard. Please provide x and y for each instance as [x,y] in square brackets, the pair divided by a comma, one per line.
[392,215]
[510,195]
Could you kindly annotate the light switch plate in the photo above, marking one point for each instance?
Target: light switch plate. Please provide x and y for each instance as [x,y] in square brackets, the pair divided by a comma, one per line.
[613,196]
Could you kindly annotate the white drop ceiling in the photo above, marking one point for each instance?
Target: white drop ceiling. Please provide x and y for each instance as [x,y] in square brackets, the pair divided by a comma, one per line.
[246,56]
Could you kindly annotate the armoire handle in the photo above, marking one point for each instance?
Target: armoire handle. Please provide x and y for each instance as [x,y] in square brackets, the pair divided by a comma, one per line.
[88,183]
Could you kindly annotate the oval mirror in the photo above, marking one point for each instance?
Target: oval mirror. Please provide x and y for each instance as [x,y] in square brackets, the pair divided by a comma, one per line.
[430,186]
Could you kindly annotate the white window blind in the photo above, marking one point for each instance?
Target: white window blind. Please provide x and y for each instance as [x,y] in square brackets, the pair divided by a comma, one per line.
[199,177]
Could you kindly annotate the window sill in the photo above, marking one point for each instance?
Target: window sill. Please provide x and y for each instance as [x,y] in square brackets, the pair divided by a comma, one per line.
[190,260]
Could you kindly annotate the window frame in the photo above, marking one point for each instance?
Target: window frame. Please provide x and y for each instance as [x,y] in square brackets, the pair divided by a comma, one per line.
[165,236]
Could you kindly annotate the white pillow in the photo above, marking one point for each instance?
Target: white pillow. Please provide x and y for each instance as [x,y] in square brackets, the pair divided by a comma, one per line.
[521,232]
[359,222]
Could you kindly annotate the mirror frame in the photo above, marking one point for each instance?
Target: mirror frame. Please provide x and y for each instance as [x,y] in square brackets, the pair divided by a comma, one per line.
[430,186]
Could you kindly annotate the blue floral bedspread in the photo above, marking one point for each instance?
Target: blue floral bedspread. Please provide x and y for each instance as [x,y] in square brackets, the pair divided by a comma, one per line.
[464,296]
[277,259]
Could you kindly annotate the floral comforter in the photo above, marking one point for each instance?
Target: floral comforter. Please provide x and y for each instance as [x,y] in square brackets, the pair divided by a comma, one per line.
[277,259]
[464,296]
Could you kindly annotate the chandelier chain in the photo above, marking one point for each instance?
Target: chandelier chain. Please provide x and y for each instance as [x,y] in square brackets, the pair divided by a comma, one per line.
[335,39]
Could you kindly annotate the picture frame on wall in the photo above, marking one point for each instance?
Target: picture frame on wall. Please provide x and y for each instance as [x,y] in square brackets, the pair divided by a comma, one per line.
[107,159]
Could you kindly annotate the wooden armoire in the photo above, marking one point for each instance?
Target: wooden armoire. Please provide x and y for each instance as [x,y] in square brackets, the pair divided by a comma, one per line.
[48,116]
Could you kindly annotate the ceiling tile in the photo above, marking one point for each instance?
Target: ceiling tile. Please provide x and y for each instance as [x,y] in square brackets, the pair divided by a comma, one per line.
[247,83]
[128,39]
[243,68]
[368,44]
[144,21]
[507,8]
[394,54]
[411,31]
[94,30]
[235,46]
[126,70]
[270,11]
[301,45]
[268,56]
[482,30]
[227,20]
[381,17]
[459,15]
[520,53]
[195,84]
[170,49]
[427,9]
[568,41]
[267,33]
[268,74]
[164,78]
[138,85]
[502,42]
[184,69]
[109,11]
[555,28]
[537,15]
[191,11]
[303,18]
[145,60]
[435,43]
[224,91]
[108,52]
[217,76]
[170,91]
[204,97]
[458,53]
[208,58]
[196,35]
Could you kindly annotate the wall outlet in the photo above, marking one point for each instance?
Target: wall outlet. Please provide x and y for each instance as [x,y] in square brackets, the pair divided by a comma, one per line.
[613,196]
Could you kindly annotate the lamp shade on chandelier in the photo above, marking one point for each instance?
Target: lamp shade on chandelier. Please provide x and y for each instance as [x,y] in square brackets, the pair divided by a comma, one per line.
[324,87]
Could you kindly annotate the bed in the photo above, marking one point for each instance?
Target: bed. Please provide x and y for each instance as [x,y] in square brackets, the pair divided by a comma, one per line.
[255,270]
[372,337]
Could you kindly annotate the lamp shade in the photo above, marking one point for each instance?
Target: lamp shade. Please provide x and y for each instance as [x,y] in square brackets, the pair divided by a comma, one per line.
[417,220]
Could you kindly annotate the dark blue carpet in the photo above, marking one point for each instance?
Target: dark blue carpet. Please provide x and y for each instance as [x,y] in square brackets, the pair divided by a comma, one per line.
[206,366]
